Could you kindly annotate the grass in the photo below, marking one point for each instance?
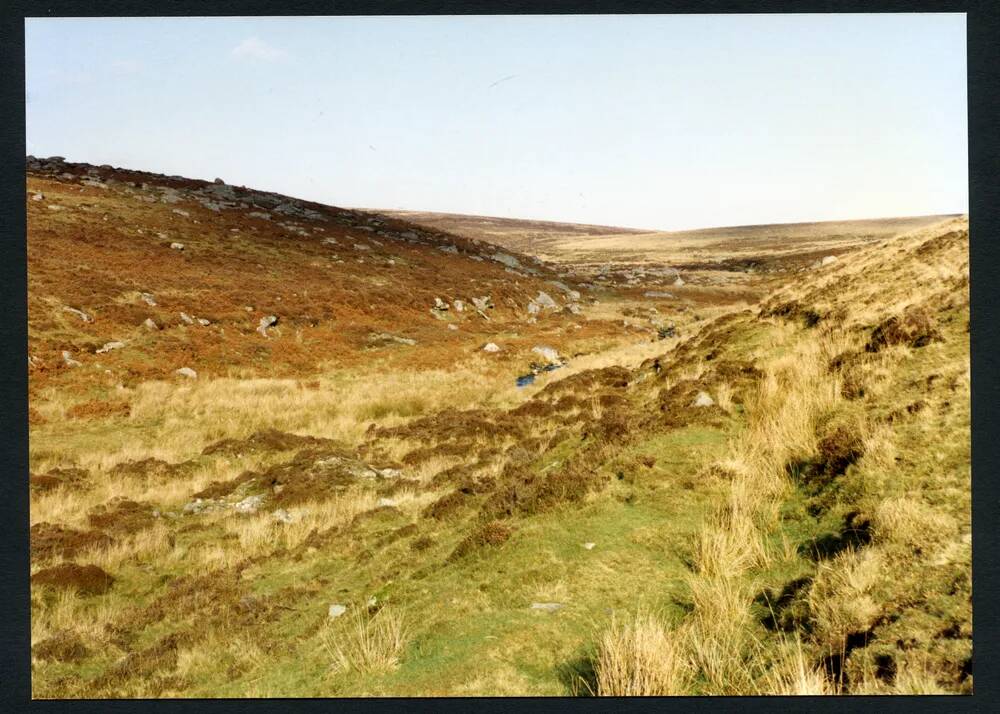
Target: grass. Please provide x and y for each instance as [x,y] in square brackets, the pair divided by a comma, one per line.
[782,541]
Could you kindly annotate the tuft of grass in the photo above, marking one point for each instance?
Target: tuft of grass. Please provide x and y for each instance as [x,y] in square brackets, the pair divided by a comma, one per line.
[637,657]
[368,642]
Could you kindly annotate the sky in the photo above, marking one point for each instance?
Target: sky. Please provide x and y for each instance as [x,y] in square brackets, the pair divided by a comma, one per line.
[645,121]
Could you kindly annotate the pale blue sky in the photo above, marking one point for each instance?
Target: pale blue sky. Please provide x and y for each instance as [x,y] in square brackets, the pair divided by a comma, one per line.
[666,122]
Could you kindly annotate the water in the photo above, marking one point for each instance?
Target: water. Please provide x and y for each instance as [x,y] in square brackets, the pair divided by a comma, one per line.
[525,379]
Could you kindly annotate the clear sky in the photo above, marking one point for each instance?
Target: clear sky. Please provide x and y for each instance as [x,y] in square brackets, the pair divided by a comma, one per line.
[647,121]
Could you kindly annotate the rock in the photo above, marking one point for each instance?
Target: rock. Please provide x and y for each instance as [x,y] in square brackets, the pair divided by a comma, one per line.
[38,197]
[509,260]
[381,339]
[440,304]
[703,400]
[362,246]
[283,516]
[79,313]
[150,324]
[491,347]
[657,294]
[679,282]
[547,606]
[186,372]
[459,305]
[108,346]
[68,359]
[177,246]
[482,303]
[589,546]
[828,260]
[335,611]
[250,504]
[187,318]
[452,326]
[219,182]
[389,473]
[181,212]
[385,503]
[259,214]
[205,323]
[549,354]
[543,302]
[148,299]
[574,309]
[266,322]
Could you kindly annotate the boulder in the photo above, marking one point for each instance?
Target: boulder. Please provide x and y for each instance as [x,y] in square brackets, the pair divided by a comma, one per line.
[186,372]
[703,400]
[549,354]
[68,360]
[150,324]
[509,260]
[266,322]
[828,260]
[148,299]
[335,610]
[177,246]
[250,504]
[187,319]
[491,347]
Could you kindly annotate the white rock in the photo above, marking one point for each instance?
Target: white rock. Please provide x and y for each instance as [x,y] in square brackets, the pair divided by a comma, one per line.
[703,400]
[589,546]
[177,246]
[250,504]
[204,322]
[266,322]
[79,313]
[186,372]
[385,503]
[150,324]
[452,326]
[181,212]
[148,299]
[491,347]
[38,197]
[283,516]
[187,318]
[68,359]
[108,346]
[679,282]
[549,354]
[547,606]
[335,611]
[828,260]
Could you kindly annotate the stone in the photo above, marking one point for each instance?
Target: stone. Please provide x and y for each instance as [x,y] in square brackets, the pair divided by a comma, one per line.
[589,546]
[148,299]
[250,504]
[679,282]
[266,322]
[283,516]
[459,305]
[205,323]
[186,372]
[335,610]
[177,246]
[385,503]
[68,359]
[828,260]
[381,339]
[108,346]
[544,301]
[38,197]
[452,326]
[181,212]
[482,303]
[79,313]
[219,182]
[509,260]
[150,324]
[549,354]
[703,400]
[187,318]
[657,294]
[440,304]
[491,347]
[547,606]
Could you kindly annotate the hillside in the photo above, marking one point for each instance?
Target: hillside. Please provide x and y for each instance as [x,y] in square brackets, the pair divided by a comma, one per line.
[760,487]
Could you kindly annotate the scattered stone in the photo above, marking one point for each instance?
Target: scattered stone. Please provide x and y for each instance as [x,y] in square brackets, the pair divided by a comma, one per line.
[382,339]
[38,197]
[259,214]
[452,326]
[283,516]
[547,606]
[68,359]
[459,305]
[549,354]
[679,282]
[703,400]
[79,313]
[150,324]
[266,322]
[148,299]
[108,346]
[509,260]
[385,503]
[491,347]
[187,318]
[250,504]
[181,212]
[544,301]
[186,372]
[205,323]
[589,546]
[657,294]
[177,246]
[828,260]
[335,611]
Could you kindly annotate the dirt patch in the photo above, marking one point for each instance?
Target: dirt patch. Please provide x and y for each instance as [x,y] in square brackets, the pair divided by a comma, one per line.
[63,646]
[150,468]
[85,579]
[265,441]
[121,516]
[99,409]
[57,478]
[48,540]
[490,535]
[915,328]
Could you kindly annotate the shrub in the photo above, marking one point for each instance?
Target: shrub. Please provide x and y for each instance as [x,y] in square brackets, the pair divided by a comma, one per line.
[638,658]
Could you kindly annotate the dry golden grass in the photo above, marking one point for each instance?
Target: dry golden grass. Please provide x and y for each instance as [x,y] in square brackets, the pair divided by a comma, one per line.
[638,658]
[367,642]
